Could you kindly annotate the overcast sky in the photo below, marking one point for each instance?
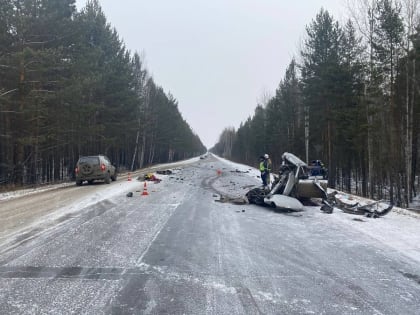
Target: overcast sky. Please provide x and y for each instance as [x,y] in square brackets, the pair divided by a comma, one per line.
[218,58]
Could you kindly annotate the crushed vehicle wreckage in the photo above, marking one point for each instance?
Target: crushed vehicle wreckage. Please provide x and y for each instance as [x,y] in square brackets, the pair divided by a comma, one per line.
[373,209]
[299,183]
[296,182]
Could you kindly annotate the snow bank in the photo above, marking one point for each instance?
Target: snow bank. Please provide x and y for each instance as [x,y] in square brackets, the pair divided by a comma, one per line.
[28,191]
[400,229]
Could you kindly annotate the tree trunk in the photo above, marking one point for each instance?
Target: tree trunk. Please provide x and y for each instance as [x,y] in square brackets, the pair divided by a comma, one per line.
[135,151]
[19,153]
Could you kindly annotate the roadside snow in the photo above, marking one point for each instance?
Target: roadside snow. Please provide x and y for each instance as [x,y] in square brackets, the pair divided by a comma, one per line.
[400,229]
[251,171]
[28,191]
[184,162]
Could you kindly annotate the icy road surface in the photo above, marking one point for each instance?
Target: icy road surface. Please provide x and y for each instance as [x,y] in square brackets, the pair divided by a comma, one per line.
[93,250]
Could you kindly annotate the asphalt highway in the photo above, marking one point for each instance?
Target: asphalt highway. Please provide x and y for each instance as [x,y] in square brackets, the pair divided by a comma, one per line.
[179,250]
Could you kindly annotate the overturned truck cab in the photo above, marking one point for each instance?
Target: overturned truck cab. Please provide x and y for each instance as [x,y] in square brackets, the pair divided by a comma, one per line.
[296,182]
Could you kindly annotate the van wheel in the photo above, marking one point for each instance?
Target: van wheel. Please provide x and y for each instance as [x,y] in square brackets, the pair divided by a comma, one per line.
[79,182]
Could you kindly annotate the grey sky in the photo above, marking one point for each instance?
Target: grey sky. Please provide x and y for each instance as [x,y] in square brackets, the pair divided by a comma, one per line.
[218,58]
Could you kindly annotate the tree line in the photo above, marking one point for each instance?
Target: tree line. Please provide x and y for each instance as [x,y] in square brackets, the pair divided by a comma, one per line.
[70,87]
[351,99]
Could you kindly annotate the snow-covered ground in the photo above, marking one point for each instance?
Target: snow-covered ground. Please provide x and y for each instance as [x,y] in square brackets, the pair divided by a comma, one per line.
[252,171]
[416,202]
[400,229]
[28,191]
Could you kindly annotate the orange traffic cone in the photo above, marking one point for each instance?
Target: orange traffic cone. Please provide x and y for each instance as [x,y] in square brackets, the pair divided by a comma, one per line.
[145,193]
[129,177]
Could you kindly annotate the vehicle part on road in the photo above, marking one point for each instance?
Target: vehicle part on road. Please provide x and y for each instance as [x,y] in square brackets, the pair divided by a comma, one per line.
[130,194]
[283,202]
[236,200]
[374,209]
[256,196]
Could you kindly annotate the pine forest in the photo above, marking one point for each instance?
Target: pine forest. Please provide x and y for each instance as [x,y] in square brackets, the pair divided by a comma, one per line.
[351,98]
[70,87]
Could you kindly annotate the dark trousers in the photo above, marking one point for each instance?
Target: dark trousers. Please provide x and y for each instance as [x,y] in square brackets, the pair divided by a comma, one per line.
[264,178]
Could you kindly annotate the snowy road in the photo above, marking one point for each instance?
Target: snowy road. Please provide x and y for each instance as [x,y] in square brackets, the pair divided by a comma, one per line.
[179,251]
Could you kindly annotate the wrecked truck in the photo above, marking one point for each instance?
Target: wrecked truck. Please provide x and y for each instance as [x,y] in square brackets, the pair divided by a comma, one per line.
[297,182]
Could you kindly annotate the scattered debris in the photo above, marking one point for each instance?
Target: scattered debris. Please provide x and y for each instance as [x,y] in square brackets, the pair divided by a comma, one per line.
[152,177]
[165,172]
[239,201]
[130,194]
[327,208]
[292,214]
[238,171]
[256,196]
[235,201]
[374,209]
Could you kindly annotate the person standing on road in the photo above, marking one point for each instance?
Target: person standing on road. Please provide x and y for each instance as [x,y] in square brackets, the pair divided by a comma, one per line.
[267,170]
[261,167]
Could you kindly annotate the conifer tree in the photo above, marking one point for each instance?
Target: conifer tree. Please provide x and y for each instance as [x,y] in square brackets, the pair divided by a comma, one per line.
[321,80]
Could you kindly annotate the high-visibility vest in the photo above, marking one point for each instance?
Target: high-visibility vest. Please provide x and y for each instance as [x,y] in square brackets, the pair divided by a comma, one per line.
[262,167]
[267,165]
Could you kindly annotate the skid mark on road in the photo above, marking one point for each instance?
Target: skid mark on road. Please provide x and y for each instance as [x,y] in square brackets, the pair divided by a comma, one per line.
[208,184]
